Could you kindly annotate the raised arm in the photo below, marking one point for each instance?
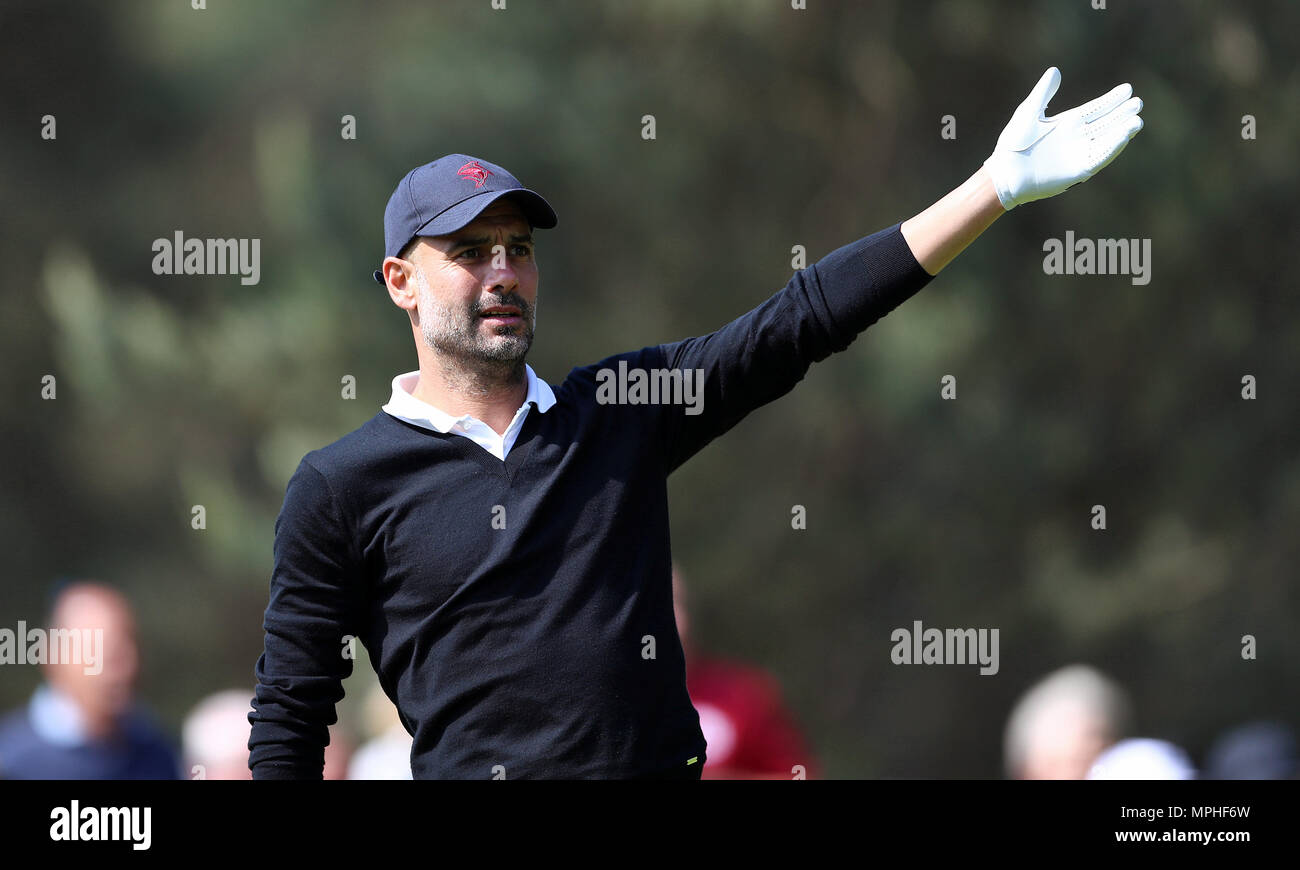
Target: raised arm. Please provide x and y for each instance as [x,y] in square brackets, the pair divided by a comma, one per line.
[761,355]
[1035,157]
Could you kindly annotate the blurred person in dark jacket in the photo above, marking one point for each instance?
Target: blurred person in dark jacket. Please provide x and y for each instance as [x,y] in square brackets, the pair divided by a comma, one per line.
[1257,750]
[83,722]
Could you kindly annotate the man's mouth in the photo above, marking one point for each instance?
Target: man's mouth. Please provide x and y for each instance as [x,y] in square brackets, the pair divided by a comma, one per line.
[501,314]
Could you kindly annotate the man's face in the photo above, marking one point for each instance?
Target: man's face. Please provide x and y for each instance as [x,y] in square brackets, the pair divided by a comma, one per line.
[477,288]
[109,691]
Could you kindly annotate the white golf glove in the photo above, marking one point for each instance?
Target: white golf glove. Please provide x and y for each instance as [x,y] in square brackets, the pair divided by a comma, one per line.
[1037,156]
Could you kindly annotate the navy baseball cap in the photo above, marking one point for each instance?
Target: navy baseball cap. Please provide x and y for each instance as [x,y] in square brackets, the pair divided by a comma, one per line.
[445,195]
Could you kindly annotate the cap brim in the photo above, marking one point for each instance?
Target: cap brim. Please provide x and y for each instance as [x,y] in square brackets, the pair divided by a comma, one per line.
[536,209]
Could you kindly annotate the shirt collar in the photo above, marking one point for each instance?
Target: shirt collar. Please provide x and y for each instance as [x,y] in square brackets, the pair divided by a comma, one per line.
[405,406]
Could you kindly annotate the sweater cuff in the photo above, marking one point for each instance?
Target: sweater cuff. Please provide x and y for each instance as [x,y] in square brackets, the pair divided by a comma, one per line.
[272,770]
[865,280]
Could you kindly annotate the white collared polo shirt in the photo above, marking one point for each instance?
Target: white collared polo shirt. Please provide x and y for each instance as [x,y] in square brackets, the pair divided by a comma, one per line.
[405,406]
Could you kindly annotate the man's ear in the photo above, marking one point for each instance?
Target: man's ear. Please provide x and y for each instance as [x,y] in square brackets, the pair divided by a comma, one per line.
[399,277]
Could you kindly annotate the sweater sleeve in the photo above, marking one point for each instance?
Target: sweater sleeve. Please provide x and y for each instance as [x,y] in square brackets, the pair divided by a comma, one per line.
[312,607]
[761,355]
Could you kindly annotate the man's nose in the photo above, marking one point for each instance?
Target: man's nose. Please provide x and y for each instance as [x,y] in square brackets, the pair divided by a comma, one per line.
[501,274]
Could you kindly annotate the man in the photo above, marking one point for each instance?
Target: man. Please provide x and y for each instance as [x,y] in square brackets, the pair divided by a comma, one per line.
[500,545]
[84,723]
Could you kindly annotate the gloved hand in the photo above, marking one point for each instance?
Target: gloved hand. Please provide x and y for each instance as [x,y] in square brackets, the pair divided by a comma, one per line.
[1037,157]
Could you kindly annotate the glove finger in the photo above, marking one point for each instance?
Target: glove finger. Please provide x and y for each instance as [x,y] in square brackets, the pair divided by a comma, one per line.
[1126,109]
[1043,92]
[1109,146]
[1131,106]
[1117,118]
[1094,109]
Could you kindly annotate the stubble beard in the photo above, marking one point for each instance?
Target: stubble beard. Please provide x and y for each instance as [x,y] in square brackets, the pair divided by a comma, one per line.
[472,360]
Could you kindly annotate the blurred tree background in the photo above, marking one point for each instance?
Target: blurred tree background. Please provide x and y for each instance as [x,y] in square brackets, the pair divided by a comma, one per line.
[775,128]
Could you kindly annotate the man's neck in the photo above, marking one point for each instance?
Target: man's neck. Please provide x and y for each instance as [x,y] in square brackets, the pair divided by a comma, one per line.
[491,395]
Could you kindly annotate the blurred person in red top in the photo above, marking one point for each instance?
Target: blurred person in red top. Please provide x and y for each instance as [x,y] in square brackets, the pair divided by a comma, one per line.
[749,731]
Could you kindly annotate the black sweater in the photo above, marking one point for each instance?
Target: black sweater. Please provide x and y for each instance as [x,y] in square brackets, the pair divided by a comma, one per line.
[547,648]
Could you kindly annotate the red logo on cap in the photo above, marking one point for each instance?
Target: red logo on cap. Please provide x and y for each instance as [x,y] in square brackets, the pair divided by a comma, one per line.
[474,171]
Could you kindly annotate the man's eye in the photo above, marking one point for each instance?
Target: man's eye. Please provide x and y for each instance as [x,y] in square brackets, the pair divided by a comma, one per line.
[517,251]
